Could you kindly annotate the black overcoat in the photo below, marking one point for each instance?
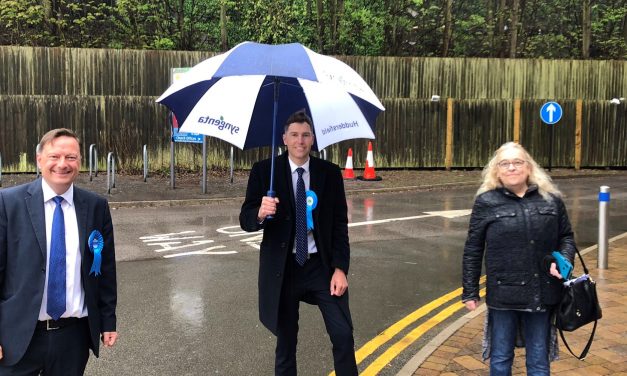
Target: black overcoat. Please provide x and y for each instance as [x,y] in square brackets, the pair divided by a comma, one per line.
[330,227]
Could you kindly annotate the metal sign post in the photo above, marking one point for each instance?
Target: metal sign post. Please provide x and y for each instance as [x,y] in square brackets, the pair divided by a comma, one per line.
[204,164]
[551,113]
[232,163]
[176,136]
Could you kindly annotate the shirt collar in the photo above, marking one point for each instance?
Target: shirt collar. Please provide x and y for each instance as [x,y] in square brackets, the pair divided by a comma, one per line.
[294,166]
[49,194]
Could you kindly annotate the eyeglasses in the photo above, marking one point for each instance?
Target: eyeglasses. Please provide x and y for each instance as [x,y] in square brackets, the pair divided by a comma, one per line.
[517,163]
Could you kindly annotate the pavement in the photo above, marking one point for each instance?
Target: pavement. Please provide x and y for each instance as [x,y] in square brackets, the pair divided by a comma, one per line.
[457,349]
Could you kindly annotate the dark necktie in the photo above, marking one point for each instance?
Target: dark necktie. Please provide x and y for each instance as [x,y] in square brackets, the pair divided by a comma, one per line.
[301,219]
[56,267]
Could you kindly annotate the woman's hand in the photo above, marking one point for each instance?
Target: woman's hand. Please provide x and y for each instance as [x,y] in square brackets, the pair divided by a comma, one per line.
[553,271]
[471,305]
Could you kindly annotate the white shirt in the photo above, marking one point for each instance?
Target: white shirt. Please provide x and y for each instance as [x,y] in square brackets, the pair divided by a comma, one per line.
[74,293]
[311,243]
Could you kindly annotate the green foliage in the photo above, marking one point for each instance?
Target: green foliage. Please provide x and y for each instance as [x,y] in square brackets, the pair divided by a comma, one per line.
[548,29]
[21,21]
[361,31]
[609,34]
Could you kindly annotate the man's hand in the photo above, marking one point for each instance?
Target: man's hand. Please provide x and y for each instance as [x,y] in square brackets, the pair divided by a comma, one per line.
[471,305]
[268,207]
[109,338]
[339,284]
[553,271]
[1,356]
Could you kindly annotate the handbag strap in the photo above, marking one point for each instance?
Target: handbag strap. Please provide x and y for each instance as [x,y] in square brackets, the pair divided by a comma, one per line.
[584,353]
[585,270]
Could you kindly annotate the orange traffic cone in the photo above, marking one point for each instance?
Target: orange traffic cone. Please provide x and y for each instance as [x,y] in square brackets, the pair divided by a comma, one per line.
[348,170]
[369,173]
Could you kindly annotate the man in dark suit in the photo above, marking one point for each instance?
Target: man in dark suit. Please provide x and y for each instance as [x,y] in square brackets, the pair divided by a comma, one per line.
[301,259]
[57,268]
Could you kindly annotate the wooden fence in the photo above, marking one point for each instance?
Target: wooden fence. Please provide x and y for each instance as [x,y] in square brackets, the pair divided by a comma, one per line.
[108,96]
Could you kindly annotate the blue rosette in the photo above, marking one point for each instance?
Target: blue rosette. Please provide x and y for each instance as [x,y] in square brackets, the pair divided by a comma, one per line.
[96,244]
[312,202]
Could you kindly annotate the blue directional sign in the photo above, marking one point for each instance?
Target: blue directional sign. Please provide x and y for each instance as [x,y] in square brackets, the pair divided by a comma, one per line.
[195,138]
[551,113]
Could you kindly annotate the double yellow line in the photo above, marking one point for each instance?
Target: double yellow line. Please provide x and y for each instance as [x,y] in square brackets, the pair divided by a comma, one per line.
[393,351]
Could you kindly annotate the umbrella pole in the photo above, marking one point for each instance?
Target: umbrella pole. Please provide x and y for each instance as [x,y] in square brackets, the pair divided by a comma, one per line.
[271,192]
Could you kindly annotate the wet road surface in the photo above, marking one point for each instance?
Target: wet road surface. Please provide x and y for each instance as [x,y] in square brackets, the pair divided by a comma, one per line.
[188,280]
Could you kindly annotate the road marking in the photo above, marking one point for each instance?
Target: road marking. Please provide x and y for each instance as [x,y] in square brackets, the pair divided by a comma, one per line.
[166,246]
[451,213]
[206,251]
[389,333]
[394,350]
[172,242]
[372,345]
[157,237]
[227,230]
[255,240]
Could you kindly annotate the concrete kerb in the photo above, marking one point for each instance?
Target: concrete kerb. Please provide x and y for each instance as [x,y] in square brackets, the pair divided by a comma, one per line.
[416,361]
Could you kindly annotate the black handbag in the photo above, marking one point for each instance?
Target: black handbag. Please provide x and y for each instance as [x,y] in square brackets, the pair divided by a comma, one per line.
[579,306]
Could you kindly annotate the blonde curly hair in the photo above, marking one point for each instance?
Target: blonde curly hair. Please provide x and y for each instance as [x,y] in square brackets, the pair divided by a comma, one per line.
[537,175]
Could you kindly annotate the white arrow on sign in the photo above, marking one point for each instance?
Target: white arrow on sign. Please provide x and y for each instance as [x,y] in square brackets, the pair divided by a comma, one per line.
[551,109]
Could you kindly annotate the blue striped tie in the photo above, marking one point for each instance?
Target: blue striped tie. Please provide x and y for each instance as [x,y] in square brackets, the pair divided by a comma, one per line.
[56,268]
[301,219]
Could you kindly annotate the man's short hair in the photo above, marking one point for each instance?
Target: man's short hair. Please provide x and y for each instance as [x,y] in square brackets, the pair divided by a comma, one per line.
[299,116]
[56,133]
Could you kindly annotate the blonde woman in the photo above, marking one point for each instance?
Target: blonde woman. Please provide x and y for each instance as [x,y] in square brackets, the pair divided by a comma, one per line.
[518,220]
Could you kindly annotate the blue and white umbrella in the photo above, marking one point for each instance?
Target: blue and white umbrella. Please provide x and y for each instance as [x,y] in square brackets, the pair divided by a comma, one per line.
[241,95]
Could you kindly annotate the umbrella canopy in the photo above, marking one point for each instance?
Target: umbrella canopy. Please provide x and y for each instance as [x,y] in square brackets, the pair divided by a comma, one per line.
[240,95]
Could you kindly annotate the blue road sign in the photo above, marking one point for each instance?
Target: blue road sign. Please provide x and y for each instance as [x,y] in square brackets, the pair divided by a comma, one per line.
[551,113]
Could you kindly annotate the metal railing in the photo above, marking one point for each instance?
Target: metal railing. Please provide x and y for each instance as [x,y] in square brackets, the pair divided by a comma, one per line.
[110,172]
[36,164]
[93,161]
[145,163]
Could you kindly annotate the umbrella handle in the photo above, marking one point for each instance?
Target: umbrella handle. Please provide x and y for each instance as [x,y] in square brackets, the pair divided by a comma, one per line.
[270,194]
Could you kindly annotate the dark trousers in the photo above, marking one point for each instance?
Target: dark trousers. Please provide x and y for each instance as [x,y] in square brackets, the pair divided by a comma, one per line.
[311,283]
[59,352]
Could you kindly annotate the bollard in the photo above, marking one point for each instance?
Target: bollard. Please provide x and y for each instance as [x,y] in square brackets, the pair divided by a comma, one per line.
[93,161]
[604,202]
[145,162]
[110,172]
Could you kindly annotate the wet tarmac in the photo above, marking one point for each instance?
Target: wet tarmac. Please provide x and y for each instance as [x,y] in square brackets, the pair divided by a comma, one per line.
[187,279]
[188,275]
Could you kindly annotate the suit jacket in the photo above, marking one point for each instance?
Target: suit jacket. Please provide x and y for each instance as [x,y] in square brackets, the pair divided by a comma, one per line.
[23,265]
[330,227]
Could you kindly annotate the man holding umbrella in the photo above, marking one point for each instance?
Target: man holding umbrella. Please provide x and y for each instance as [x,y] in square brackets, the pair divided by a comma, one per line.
[305,253]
